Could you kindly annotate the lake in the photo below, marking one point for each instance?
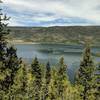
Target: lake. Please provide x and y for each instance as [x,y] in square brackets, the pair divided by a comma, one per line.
[52,52]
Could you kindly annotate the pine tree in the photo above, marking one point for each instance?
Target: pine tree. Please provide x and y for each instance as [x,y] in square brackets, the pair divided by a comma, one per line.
[48,73]
[46,83]
[18,90]
[62,78]
[85,74]
[3,49]
[60,87]
[30,87]
[59,82]
[37,82]
[3,33]
[3,74]
[53,90]
[48,78]
[8,56]
[12,59]
[12,64]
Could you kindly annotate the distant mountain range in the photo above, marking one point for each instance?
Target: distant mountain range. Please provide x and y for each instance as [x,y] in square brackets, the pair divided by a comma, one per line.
[58,34]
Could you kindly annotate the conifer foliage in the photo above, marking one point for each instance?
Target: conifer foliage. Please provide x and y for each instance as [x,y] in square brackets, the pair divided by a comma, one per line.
[3,52]
[62,78]
[8,56]
[86,72]
[3,33]
[97,82]
[39,82]
[47,81]
[19,88]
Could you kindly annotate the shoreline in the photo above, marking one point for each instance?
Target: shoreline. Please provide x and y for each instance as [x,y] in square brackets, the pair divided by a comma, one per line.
[43,43]
[24,43]
[14,42]
[27,42]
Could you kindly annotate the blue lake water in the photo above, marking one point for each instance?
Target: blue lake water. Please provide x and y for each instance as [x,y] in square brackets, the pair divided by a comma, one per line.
[52,52]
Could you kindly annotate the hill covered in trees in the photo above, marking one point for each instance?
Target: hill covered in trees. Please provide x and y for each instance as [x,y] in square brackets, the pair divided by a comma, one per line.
[58,34]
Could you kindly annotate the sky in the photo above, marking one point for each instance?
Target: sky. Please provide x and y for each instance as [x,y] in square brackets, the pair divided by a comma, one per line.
[52,12]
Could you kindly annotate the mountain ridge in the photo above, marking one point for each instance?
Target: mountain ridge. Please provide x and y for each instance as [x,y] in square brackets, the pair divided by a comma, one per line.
[58,34]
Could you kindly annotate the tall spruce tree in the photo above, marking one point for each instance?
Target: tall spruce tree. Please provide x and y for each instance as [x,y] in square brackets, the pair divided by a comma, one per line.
[46,83]
[12,59]
[48,73]
[62,80]
[62,76]
[3,33]
[3,49]
[60,87]
[86,71]
[12,64]
[53,84]
[8,56]
[18,90]
[37,82]
[48,79]
[30,86]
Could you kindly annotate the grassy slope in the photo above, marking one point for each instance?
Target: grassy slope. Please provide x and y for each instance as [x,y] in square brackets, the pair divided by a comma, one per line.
[62,34]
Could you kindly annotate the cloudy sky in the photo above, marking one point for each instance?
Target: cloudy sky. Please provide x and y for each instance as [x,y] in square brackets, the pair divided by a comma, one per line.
[52,12]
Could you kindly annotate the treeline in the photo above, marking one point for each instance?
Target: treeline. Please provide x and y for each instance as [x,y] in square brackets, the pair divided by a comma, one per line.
[19,81]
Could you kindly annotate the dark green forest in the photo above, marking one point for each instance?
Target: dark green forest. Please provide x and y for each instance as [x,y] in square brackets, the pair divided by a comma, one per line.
[19,81]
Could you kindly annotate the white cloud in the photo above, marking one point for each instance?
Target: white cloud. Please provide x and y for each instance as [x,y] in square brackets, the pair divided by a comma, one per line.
[13,22]
[84,9]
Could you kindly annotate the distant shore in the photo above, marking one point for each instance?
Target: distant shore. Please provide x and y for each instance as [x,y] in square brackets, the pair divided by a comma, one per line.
[14,42]
[21,42]
[24,42]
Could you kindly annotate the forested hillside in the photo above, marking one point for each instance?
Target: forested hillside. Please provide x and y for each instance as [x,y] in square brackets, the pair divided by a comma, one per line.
[60,34]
